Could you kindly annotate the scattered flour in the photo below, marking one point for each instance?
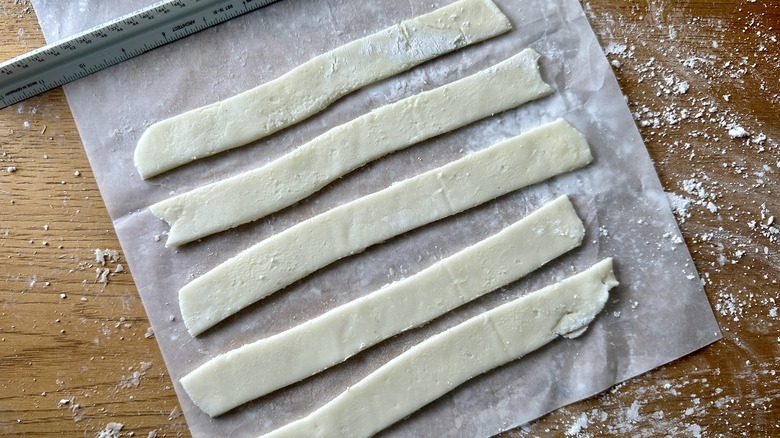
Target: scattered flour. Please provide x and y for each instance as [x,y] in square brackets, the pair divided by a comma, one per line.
[580,423]
[632,413]
[101,255]
[681,206]
[694,104]
[614,48]
[736,131]
[112,430]
[132,381]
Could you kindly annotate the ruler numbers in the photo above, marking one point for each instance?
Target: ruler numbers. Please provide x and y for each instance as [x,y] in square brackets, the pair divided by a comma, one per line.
[111,43]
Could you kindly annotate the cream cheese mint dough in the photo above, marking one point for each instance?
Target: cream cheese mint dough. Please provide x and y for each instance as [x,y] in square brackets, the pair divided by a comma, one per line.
[315,84]
[266,365]
[292,254]
[617,196]
[435,366]
[279,184]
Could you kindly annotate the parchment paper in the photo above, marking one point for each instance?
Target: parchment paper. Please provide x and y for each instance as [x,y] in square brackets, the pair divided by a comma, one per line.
[658,314]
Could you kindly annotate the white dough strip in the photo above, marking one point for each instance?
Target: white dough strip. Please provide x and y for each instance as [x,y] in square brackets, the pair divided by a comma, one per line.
[252,195]
[296,252]
[315,84]
[437,365]
[264,366]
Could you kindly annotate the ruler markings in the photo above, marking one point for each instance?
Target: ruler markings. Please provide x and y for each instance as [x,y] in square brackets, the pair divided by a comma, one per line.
[113,42]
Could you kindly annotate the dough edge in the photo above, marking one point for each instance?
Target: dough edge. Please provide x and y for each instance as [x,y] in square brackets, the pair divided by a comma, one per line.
[207,300]
[251,371]
[190,219]
[352,412]
[153,158]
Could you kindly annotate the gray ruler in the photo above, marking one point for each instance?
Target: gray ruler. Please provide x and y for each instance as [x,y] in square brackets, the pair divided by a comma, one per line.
[113,42]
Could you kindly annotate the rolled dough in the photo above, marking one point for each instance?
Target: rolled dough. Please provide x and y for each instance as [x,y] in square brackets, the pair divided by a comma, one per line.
[312,86]
[284,258]
[281,183]
[262,367]
[437,365]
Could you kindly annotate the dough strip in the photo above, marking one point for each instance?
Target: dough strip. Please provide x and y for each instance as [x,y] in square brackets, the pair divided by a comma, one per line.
[264,366]
[296,252]
[302,172]
[437,365]
[315,84]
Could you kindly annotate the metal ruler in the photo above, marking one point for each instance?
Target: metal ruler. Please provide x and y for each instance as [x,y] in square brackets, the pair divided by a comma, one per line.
[113,42]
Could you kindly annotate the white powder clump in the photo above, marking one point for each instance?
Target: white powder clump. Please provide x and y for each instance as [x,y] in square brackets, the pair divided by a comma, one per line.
[580,423]
[632,414]
[614,48]
[681,87]
[736,131]
[112,430]
[132,381]
[695,187]
[694,430]
[680,206]
[102,275]
[102,254]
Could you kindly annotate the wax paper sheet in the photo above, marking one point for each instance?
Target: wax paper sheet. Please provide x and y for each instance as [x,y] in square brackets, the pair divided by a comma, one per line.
[657,314]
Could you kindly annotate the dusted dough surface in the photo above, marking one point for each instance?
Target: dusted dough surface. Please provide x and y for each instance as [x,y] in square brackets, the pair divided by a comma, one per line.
[437,365]
[314,85]
[279,184]
[296,252]
[262,367]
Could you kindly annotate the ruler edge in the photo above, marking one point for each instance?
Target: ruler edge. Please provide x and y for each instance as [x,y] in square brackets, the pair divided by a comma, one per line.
[61,42]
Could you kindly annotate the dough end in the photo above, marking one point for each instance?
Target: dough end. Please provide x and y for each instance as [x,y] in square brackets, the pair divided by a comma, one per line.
[168,212]
[574,324]
[194,307]
[146,159]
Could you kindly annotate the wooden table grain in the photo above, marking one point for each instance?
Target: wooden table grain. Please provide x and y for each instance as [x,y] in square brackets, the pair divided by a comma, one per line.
[701,77]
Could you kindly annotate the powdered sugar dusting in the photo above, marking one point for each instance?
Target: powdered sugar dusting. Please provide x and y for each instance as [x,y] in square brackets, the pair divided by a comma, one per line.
[706,109]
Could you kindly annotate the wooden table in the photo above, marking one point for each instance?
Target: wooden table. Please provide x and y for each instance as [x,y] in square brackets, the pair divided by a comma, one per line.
[702,78]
